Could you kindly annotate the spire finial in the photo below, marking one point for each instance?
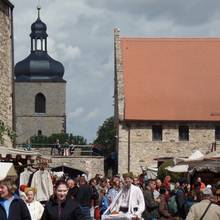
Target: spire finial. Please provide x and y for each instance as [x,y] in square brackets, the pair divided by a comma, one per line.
[38,8]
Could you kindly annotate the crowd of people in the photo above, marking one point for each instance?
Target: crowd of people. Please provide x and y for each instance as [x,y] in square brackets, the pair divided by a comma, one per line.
[68,149]
[135,197]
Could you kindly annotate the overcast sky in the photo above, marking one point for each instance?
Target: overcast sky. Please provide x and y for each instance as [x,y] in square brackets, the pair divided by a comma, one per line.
[81,37]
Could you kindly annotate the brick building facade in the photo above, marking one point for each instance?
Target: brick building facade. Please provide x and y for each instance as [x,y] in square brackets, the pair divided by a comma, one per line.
[166,102]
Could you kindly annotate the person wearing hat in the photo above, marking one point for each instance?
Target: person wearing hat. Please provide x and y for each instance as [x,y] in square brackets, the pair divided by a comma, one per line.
[130,199]
[35,208]
[204,210]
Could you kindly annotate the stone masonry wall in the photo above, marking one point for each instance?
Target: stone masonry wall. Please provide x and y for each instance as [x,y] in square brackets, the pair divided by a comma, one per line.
[121,141]
[29,126]
[27,121]
[119,76]
[90,165]
[6,68]
[144,150]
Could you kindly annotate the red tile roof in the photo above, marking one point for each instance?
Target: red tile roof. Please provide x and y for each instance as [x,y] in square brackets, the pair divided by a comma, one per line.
[171,79]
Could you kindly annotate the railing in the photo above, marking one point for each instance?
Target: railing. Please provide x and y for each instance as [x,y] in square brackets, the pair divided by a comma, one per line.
[63,149]
[214,146]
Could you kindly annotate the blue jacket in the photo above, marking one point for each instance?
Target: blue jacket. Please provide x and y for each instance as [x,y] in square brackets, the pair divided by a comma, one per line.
[104,203]
[17,210]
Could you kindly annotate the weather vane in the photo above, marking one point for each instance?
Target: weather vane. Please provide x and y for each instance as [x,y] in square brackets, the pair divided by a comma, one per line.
[38,8]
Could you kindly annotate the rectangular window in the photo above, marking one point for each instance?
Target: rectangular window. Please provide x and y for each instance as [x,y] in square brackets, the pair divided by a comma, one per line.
[157,133]
[183,133]
[217,133]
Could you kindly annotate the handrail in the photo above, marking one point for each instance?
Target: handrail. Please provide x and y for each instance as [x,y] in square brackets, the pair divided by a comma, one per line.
[64,149]
[36,145]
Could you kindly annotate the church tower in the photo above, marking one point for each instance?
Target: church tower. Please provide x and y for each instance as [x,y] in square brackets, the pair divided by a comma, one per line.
[40,90]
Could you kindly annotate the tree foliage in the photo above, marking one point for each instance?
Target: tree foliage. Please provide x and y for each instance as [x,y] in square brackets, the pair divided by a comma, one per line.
[106,136]
[63,138]
[5,130]
[162,171]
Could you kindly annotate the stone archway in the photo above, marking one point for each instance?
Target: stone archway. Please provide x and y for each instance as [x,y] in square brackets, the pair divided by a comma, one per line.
[72,173]
[85,164]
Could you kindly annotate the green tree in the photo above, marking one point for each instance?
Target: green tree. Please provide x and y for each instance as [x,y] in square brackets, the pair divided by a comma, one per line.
[77,139]
[106,136]
[40,140]
[162,171]
[107,142]
[5,130]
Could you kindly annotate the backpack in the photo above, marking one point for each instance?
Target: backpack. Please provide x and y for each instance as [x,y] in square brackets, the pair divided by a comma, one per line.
[172,205]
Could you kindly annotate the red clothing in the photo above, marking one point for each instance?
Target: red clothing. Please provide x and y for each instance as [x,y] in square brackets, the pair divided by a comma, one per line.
[202,186]
[166,183]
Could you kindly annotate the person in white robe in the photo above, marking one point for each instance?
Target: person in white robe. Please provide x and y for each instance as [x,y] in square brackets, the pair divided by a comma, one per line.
[130,199]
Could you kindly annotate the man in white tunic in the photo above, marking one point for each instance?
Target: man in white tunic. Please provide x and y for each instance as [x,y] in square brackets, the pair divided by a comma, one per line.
[130,199]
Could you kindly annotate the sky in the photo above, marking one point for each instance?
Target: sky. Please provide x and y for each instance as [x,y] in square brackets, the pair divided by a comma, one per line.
[81,37]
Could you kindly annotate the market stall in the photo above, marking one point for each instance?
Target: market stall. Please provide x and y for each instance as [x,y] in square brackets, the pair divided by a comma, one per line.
[7,170]
[198,165]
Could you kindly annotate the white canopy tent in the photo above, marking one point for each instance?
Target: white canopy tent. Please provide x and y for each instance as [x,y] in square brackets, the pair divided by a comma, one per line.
[152,172]
[7,170]
[183,168]
[178,168]
[197,155]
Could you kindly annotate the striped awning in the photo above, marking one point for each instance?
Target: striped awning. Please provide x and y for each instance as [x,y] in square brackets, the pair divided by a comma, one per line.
[13,153]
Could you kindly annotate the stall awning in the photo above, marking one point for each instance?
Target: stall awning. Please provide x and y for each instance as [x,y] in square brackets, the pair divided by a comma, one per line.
[12,153]
[211,165]
[178,168]
[7,170]
[152,172]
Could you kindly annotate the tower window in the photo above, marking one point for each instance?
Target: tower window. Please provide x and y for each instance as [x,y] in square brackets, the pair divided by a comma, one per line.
[217,133]
[38,44]
[157,133]
[40,103]
[183,133]
[39,133]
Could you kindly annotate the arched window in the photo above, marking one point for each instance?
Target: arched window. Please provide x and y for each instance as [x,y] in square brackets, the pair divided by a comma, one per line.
[39,133]
[40,103]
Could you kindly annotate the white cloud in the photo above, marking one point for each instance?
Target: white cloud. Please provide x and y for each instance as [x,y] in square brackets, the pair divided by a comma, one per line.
[52,49]
[91,115]
[69,52]
[77,113]
[81,37]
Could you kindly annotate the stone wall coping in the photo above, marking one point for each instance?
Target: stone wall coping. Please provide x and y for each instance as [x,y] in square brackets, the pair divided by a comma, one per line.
[96,157]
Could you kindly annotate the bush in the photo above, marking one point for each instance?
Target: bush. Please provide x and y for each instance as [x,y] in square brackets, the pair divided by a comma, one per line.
[162,172]
[42,141]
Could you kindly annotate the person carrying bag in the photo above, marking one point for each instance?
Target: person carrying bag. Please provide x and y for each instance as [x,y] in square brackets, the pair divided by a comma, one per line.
[212,211]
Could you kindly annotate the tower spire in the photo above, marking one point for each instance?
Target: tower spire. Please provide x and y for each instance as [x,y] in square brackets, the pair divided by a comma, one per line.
[38,8]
